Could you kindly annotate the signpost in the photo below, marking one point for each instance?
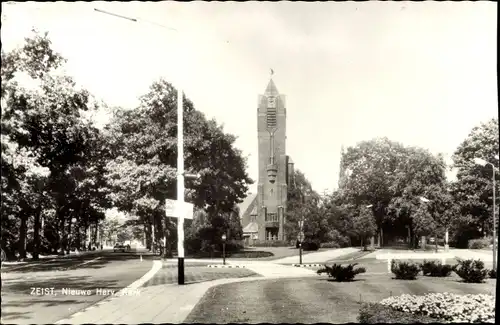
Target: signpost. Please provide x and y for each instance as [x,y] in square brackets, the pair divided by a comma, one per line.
[186,209]
[180,210]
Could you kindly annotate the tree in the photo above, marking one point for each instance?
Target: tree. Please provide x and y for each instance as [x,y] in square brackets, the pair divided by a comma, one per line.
[419,175]
[143,171]
[42,115]
[372,166]
[302,204]
[473,188]
[363,225]
[389,178]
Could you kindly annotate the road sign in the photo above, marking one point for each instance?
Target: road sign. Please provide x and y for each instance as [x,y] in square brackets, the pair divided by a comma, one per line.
[301,236]
[170,209]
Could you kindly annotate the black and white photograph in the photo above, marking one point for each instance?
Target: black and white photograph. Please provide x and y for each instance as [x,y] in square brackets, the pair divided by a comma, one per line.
[249,162]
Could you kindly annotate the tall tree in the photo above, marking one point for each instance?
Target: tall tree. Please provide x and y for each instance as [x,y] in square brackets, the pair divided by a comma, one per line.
[389,178]
[303,203]
[42,114]
[143,143]
[372,165]
[473,188]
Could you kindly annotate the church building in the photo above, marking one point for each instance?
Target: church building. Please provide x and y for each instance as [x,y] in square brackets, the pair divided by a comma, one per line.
[263,214]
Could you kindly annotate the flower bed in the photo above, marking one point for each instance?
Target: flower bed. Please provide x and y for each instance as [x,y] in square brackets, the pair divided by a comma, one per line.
[446,306]
[371,313]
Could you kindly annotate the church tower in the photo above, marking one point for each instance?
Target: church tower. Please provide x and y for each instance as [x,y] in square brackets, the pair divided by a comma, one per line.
[273,164]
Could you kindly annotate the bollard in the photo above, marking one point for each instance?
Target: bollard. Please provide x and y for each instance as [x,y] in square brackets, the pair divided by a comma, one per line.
[141,257]
[388,265]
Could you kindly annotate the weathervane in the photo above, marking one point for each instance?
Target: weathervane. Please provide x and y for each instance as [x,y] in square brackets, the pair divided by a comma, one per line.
[272,73]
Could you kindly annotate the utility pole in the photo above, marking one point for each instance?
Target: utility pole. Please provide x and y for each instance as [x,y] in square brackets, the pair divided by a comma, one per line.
[180,187]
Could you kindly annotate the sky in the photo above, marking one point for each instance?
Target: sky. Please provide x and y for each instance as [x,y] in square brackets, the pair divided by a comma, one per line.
[421,73]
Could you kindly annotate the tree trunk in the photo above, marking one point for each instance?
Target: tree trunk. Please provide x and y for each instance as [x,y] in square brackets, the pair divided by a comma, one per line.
[68,236]
[78,238]
[23,230]
[94,233]
[60,232]
[36,234]
[436,241]
[86,234]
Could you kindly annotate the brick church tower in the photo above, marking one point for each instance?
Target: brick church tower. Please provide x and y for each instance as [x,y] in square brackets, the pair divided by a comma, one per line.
[273,165]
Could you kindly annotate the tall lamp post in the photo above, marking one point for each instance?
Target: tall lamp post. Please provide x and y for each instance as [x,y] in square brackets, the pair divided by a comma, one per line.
[372,239]
[180,164]
[301,239]
[425,200]
[224,249]
[484,163]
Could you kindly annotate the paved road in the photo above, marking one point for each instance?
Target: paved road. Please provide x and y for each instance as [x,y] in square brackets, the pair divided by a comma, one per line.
[36,293]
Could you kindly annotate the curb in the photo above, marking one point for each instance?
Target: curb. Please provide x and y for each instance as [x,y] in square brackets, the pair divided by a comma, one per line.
[307,265]
[226,266]
[123,292]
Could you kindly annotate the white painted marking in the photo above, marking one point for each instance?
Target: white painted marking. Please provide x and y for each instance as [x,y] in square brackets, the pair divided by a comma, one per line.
[157,265]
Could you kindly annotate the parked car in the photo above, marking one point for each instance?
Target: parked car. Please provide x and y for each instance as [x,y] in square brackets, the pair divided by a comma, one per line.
[121,248]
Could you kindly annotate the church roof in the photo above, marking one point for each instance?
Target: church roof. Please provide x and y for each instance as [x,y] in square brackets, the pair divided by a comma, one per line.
[245,205]
[271,89]
[251,228]
[254,211]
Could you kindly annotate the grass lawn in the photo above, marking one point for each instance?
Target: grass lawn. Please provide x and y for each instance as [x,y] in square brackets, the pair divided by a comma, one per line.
[314,300]
[281,252]
[198,272]
[351,257]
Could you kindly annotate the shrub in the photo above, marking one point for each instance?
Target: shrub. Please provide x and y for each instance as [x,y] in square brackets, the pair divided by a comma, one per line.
[405,270]
[309,245]
[330,245]
[271,243]
[480,243]
[342,273]
[446,307]
[471,271]
[493,274]
[436,269]
[377,313]
[334,236]
[233,246]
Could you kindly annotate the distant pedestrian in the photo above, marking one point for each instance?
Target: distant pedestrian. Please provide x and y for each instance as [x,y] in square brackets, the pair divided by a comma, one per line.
[101,246]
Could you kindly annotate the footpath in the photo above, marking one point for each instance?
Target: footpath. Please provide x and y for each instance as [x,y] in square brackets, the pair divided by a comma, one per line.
[171,303]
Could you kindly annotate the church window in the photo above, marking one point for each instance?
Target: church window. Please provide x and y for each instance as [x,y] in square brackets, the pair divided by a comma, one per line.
[272,217]
[271,112]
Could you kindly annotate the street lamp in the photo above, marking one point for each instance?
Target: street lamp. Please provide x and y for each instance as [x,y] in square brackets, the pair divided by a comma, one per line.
[484,163]
[224,249]
[425,200]
[301,238]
